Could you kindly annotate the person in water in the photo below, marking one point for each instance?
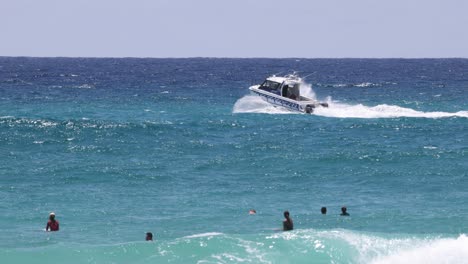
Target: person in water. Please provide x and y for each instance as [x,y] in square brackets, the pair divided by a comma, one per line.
[323,210]
[287,222]
[149,236]
[52,224]
[343,211]
[252,212]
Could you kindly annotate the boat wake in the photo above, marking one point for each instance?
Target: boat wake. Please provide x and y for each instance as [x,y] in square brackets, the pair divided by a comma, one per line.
[254,104]
[341,110]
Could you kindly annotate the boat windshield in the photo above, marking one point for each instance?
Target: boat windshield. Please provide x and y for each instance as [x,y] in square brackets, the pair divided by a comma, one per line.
[292,92]
[270,86]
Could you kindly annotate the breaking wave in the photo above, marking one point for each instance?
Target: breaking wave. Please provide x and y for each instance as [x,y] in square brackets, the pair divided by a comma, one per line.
[299,246]
[445,250]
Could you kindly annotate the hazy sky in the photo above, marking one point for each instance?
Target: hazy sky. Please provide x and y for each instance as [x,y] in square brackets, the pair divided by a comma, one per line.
[234,28]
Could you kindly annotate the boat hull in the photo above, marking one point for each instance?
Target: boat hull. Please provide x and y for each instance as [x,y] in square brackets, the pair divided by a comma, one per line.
[290,104]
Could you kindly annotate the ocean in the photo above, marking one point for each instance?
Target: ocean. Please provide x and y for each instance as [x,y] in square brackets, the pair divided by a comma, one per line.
[178,147]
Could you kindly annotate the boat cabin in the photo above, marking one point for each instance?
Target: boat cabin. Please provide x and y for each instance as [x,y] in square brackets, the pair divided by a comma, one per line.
[285,87]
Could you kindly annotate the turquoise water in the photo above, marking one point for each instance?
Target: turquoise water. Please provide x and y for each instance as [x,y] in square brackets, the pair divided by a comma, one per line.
[178,147]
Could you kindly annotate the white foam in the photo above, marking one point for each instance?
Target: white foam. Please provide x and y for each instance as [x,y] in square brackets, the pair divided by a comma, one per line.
[363,84]
[342,110]
[447,250]
[43,123]
[373,248]
[307,91]
[340,85]
[255,104]
[380,250]
[430,147]
[366,84]
[209,234]
[85,86]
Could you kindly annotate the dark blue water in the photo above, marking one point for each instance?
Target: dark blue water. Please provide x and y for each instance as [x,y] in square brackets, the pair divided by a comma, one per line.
[119,147]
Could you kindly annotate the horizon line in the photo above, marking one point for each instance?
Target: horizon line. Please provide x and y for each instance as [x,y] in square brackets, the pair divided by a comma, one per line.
[215,57]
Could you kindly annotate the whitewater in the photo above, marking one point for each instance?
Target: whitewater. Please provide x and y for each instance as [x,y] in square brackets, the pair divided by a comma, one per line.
[333,246]
[254,104]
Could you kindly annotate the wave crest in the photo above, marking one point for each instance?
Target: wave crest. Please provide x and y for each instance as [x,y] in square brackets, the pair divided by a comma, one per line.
[446,250]
[298,246]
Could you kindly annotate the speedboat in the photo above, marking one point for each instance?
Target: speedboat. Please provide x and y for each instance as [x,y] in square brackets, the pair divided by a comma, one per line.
[285,92]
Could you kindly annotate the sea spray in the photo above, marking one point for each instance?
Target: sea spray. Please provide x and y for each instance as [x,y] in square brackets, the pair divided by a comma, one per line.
[254,104]
[307,91]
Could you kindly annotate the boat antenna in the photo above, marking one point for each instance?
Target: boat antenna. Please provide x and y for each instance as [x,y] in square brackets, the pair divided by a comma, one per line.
[277,73]
[308,75]
[294,74]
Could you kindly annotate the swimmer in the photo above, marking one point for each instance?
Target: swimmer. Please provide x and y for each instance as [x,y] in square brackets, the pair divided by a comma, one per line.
[323,210]
[252,212]
[52,224]
[343,211]
[149,236]
[287,222]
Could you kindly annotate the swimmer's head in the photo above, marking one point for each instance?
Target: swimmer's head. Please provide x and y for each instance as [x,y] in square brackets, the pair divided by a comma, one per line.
[286,214]
[52,216]
[324,210]
[252,212]
[343,209]
[149,236]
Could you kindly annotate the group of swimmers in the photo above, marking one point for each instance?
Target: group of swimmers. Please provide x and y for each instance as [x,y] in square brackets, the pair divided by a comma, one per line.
[344,211]
[53,224]
[288,222]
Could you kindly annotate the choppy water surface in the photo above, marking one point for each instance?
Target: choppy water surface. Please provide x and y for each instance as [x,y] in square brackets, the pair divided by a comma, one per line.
[119,147]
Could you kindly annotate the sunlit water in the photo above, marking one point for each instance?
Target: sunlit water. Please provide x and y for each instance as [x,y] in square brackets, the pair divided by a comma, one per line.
[178,147]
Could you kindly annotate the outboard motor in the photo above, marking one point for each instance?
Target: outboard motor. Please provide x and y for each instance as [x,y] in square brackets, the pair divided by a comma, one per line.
[324,104]
[309,109]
